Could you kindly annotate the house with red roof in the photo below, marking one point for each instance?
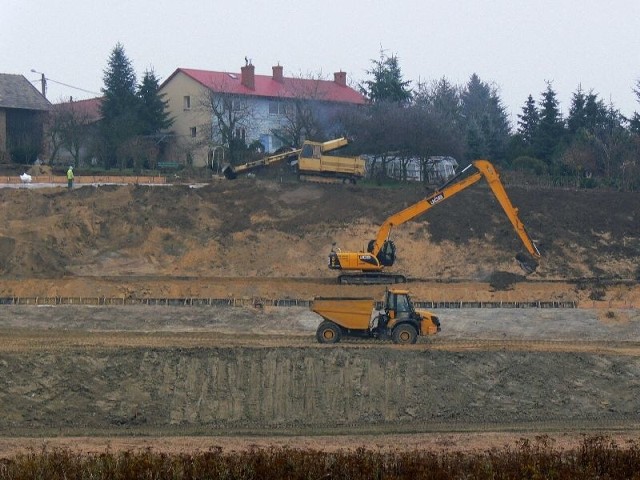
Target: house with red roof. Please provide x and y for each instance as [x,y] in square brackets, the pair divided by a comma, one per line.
[256,106]
[73,128]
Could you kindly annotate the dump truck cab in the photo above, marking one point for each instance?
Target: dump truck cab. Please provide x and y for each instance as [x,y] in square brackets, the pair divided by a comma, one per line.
[398,310]
[392,318]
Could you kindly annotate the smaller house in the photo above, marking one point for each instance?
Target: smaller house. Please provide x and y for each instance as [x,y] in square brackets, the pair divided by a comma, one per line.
[23,114]
[73,125]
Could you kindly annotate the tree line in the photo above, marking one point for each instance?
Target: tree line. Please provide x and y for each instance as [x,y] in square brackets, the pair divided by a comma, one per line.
[593,145]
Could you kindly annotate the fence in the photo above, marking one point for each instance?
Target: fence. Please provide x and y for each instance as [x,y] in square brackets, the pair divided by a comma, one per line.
[258,302]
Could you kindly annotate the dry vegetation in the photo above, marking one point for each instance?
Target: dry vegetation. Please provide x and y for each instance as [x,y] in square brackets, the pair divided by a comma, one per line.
[597,458]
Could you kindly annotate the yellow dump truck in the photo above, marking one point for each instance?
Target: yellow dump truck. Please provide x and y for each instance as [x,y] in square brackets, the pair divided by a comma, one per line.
[396,319]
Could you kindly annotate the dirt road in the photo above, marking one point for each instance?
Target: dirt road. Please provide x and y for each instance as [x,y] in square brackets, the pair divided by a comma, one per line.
[243,373]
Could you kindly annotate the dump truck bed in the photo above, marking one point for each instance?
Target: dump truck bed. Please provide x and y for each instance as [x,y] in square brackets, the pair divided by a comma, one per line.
[350,313]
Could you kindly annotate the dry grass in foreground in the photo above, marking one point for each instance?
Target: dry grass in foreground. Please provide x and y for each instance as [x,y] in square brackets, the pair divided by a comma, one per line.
[596,457]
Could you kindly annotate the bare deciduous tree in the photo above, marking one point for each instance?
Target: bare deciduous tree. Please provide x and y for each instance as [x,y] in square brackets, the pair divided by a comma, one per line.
[230,117]
[69,129]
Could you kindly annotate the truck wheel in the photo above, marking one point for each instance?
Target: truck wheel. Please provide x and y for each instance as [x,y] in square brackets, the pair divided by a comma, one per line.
[404,334]
[328,332]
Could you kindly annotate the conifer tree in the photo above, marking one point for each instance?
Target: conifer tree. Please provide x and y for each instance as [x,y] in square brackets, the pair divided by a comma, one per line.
[486,120]
[528,121]
[387,84]
[550,132]
[152,114]
[120,106]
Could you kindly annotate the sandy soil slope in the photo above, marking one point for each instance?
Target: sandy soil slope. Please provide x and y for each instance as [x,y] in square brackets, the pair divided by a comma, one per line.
[243,375]
[253,228]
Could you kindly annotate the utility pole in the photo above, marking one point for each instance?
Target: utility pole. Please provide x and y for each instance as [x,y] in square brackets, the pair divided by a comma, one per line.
[43,83]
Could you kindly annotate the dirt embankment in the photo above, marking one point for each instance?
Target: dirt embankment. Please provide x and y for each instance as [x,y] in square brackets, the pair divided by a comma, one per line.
[253,228]
[169,371]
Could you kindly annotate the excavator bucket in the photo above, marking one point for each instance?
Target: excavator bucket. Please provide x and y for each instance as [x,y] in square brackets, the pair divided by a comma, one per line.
[229,172]
[527,263]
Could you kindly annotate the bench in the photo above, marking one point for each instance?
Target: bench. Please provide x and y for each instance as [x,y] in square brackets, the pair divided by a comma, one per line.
[168,165]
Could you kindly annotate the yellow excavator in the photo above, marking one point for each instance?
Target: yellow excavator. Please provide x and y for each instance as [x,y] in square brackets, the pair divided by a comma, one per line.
[312,161]
[231,172]
[381,252]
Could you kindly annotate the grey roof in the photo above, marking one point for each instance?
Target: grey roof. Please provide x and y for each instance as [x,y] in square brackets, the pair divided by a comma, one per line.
[17,92]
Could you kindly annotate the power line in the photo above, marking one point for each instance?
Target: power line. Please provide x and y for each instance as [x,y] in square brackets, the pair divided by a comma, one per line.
[71,86]
[67,85]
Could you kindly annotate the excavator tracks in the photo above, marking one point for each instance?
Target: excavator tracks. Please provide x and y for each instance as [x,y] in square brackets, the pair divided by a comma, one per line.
[371,279]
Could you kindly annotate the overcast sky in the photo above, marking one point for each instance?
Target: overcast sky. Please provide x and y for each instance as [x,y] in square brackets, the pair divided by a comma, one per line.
[517,45]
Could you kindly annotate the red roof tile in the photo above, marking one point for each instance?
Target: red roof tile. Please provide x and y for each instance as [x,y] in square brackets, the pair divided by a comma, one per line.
[266,86]
[89,108]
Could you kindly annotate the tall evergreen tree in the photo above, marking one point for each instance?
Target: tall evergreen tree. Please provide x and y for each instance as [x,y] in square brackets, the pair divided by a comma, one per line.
[387,84]
[442,98]
[487,124]
[528,121]
[577,112]
[634,123]
[550,132]
[153,115]
[120,106]
[587,112]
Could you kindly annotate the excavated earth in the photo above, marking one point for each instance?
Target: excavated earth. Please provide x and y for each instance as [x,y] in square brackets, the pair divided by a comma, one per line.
[191,377]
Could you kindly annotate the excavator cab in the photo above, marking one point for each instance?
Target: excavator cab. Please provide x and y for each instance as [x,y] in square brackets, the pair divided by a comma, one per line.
[387,254]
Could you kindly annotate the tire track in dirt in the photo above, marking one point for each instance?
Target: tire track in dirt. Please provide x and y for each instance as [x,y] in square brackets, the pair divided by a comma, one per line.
[59,341]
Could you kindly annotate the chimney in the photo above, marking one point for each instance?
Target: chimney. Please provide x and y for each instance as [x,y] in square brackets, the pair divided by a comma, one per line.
[340,78]
[277,73]
[248,76]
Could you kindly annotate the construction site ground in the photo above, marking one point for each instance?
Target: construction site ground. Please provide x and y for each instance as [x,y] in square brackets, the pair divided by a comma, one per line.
[185,378]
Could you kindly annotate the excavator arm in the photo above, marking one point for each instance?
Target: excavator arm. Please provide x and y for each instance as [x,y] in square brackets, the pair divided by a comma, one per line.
[381,251]
[484,169]
[309,149]
[231,172]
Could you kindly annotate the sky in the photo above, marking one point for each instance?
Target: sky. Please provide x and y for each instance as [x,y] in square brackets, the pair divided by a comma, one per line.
[515,45]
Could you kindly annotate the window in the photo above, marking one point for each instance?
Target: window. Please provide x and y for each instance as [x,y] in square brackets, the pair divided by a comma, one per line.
[193,132]
[186,102]
[240,133]
[402,304]
[232,105]
[277,108]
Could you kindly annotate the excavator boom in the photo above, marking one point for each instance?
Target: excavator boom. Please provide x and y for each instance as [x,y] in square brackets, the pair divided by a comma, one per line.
[317,148]
[381,251]
[231,172]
